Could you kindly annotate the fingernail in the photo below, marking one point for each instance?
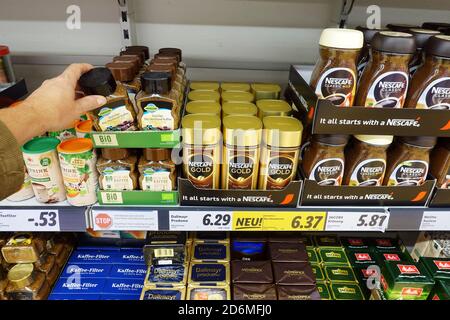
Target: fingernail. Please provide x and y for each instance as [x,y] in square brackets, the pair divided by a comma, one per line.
[101,100]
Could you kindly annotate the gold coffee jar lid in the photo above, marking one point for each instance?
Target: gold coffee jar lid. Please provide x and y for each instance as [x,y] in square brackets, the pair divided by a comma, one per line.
[242,130]
[266,91]
[211,107]
[21,275]
[235,86]
[204,85]
[237,96]
[201,129]
[375,140]
[285,132]
[273,107]
[204,95]
[241,108]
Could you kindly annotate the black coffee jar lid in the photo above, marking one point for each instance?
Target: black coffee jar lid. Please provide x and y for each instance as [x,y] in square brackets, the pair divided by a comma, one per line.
[156,82]
[438,46]
[369,33]
[424,142]
[394,42]
[435,25]
[332,139]
[401,27]
[98,81]
[422,36]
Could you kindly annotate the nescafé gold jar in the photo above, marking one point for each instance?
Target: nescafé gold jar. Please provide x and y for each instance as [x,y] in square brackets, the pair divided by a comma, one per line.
[23,248]
[201,150]
[241,141]
[239,108]
[280,152]
[26,283]
[272,107]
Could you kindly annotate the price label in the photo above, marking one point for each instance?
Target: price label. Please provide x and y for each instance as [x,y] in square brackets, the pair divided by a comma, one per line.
[105,140]
[278,221]
[111,197]
[117,220]
[435,221]
[357,221]
[200,221]
[29,220]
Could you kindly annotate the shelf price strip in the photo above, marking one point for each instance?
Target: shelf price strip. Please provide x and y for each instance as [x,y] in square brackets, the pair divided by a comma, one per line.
[200,220]
[33,220]
[128,220]
[357,221]
[278,221]
[435,221]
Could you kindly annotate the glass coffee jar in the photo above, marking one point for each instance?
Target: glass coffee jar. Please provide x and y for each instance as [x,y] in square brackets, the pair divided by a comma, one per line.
[334,76]
[430,86]
[26,283]
[408,161]
[365,160]
[384,82]
[324,159]
[440,164]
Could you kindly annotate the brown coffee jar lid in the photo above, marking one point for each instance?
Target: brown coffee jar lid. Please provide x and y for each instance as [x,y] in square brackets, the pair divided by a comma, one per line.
[394,42]
[138,54]
[422,36]
[157,154]
[401,27]
[369,33]
[438,46]
[424,142]
[435,25]
[143,49]
[129,59]
[176,51]
[167,56]
[170,69]
[332,139]
[115,153]
[169,61]
[122,71]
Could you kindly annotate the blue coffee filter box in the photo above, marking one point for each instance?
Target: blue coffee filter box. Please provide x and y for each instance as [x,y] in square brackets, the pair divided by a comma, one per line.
[128,271]
[86,270]
[123,286]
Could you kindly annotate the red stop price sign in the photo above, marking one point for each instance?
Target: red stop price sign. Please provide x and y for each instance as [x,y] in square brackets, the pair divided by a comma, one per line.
[103,220]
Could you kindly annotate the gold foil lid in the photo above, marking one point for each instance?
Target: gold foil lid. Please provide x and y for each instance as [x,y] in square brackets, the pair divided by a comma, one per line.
[375,140]
[204,95]
[239,108]
[21,275]
[235,86]
[211,107]
[21,239]
[242,130]
[204,85]
[273,108]
[237,96]
[285,132]
[201,129]
[266,87]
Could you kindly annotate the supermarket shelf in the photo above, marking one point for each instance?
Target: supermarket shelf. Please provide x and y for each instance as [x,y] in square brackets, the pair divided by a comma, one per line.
[15,216]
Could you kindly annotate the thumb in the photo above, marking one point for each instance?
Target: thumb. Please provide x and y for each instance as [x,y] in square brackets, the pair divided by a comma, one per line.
[89,103]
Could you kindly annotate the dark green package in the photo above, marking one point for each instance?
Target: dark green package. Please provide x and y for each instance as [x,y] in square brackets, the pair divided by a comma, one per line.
[441,290]
[318,272]
[333,256]
[339,274]
[313,257]
[393,256]
[405,280]
[346,291]
[439,268]
[355,243]
[361,257]
[368,278]
[328,241]
[324,290]
[377,294]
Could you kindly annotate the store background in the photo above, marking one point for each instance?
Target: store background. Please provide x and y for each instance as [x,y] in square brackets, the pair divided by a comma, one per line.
[242,40]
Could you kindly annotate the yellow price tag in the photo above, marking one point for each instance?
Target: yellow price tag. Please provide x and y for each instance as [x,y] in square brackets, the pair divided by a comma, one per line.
[278,221]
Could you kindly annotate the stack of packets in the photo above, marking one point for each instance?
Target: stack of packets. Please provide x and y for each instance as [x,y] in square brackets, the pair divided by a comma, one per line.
[187,269]
[101,273]
[271,267]
[439,268]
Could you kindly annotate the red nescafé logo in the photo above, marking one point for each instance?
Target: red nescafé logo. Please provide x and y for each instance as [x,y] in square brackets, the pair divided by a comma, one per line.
[356,242]
[362,256]
[391,257]
[442,265]
[408,269]
[412,291]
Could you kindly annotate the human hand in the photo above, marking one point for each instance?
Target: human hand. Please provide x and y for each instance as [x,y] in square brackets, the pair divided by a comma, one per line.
[56,103]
